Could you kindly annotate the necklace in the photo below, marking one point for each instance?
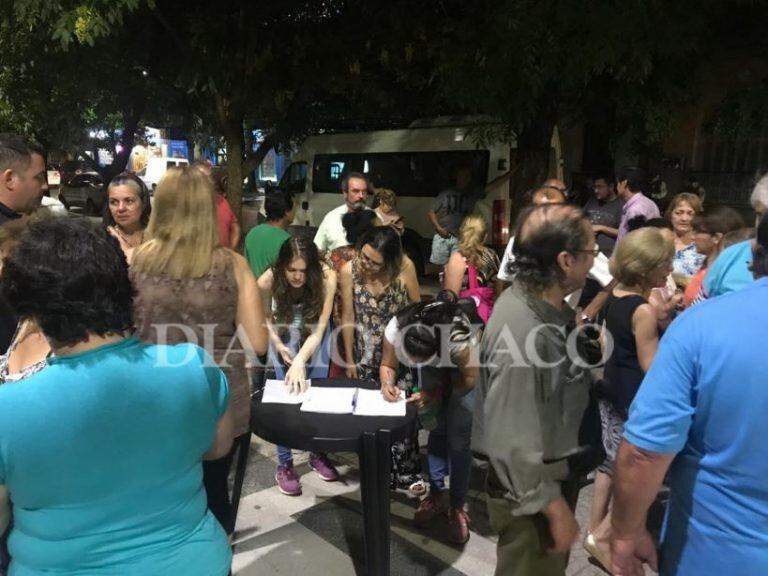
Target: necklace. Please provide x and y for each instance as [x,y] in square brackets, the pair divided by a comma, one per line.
[127,238]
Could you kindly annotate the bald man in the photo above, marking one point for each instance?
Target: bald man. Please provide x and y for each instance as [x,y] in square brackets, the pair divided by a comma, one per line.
[533,394]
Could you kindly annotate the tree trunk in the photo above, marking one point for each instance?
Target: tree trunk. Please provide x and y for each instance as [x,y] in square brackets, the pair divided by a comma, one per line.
[127,141]
[254,159]
[532,162]
[233,133]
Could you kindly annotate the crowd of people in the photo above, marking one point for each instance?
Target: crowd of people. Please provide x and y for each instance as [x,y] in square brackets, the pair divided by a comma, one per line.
[129,347]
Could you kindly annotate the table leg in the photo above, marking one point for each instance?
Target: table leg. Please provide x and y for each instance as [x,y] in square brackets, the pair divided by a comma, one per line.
[375,462]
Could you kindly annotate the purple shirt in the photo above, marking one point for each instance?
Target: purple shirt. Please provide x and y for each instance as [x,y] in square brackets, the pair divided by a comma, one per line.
[638,205]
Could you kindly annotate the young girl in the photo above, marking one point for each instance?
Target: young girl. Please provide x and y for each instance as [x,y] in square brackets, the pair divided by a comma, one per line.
[413,337]
[297,295]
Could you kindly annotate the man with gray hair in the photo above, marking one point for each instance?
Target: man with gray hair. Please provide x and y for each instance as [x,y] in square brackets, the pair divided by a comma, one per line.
[533,395]
[730,270]
[23,180]
[331,234]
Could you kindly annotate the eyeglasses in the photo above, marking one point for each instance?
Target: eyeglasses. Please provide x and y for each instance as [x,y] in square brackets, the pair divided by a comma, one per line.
[369,262]
[594,251]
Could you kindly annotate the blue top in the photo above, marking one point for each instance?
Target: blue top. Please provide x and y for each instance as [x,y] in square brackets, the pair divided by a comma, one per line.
[705,397]
[102,455]
[729,272]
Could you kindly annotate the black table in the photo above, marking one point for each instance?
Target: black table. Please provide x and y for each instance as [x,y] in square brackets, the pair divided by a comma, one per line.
[370,436]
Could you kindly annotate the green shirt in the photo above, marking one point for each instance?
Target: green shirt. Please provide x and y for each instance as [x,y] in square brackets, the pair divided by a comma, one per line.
[262,245]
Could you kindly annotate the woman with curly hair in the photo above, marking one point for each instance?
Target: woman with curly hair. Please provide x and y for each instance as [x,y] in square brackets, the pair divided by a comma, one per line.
[102,450]
[297,295]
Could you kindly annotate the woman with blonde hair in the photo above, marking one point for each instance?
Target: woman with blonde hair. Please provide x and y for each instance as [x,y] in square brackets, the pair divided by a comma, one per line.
[471,270]
[641,262]
[186,283]
[681,211]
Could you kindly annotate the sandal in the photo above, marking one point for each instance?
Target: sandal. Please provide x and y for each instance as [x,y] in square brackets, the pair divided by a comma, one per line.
[596,556]
[418,488]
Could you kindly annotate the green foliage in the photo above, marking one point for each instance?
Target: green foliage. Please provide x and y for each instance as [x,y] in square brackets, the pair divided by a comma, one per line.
[68,22]
[292,67]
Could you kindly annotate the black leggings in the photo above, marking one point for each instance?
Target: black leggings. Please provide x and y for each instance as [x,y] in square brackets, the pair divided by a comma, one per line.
[216,482]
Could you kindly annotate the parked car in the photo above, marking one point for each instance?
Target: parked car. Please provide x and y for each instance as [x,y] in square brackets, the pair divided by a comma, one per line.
[70,169]
[85,192]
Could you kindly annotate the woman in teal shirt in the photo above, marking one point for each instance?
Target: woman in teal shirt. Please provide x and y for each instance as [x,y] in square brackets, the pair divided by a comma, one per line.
[101,452]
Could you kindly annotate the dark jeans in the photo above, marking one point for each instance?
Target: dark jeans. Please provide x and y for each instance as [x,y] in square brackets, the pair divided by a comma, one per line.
[448,447]
[216,482]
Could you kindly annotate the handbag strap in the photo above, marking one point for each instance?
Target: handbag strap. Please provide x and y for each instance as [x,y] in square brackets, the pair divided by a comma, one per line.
[472,273]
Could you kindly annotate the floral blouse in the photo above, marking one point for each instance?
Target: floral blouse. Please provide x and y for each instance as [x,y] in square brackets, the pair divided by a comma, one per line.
[687,261]
[372,314]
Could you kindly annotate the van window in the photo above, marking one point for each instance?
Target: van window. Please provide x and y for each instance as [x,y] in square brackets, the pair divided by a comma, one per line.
[420,174]
[294,178]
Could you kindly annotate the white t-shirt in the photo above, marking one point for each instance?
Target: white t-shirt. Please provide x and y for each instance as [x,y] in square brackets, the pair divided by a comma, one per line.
[331,234]
[462,334]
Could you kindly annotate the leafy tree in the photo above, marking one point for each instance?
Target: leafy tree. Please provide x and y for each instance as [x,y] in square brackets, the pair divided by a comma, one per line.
[61,94]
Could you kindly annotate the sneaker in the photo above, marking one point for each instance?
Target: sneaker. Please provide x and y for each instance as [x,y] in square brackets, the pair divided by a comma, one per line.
[288,481]
[458,526]
[434,504]
[324,468]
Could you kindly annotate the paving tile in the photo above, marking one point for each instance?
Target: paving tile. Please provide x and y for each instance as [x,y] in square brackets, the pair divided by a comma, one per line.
[340,522]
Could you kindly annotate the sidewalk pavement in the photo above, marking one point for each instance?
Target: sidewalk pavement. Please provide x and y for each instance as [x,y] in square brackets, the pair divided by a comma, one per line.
[321,531]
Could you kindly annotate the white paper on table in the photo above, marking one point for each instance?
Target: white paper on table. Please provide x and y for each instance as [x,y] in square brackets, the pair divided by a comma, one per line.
[373,403]
[329,400]
[276,392]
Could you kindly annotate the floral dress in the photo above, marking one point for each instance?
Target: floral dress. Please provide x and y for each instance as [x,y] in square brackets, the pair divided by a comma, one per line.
[372,314]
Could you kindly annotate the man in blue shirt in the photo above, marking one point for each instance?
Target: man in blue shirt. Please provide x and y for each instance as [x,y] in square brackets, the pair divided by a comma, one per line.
[730,270]
[703,403]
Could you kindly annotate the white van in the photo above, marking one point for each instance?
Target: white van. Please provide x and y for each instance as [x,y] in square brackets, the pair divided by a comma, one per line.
[417,163]
[156,167]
